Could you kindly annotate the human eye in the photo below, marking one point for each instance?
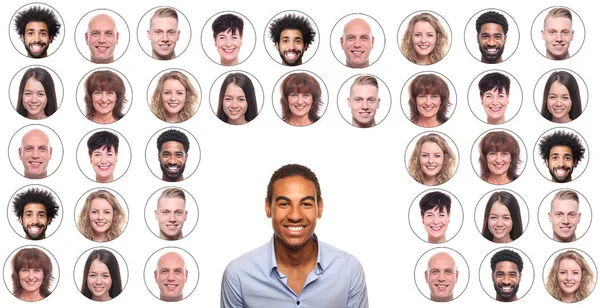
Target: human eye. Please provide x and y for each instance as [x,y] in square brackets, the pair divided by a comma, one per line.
[28,214]
[179,154]
[485,36]
[438,155]
[97,93]
[506,218]
[358,100]
[493,217]
[418,34]
[105,276]
[178,213]
[572,215]
[158,32]
[435,271]
[298,41]
[429,215]
[565,98]
[242,99]
[552,31]
[430,35]
[568,158]
[42,214]
[178,271]
[227,98]
[306,95]
[424,155]
[364,38]
[560,215]
[92,275]
[165,212]
[180,92]
[171,32]
[435,96]
[94,211]
[552,97]
[107,212]
[350,38]
[294,95]
[27,94]
[498,36]
[44,33]
[37,270]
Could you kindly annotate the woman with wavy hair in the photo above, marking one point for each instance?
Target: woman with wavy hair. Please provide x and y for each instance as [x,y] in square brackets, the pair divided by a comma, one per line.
[570,279]
[175,99]
[432,161]
[425,41]
[31,274]
[102,218]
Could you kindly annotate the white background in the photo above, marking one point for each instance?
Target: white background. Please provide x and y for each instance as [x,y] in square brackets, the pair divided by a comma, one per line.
[366,188]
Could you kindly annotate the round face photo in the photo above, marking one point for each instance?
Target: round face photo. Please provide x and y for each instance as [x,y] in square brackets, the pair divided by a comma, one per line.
[442,274]
[560,95]
[364,101]
[169,151]
[35,151]
[565,215]
[291,38]
[101,215]
[174,95]
[36,30]
[31,273]
[36,92]
[511,273]
[100,274]
[498,156]
[35,212]
[164,33]
[171,213]
[357,40]
[228,38]
[236,97]
[171,274]
[431,158]
[501,216]
[495,97]
[562,155]
[102,36]
[300,98]
[428,99]
[558,33]
[424,37]
[431,213]
[570,275]
[104,96]
[108,153]
[487,36]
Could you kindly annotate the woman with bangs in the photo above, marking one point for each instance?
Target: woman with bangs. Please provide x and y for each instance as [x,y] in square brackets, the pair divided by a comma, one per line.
[425,41]
[429,100]
[300,99]
[499,158]
[174,99]
[104,97]
[31,274]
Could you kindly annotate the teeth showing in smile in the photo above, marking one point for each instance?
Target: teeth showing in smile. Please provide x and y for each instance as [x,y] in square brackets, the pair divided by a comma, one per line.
[495,109]
[229,50]
[36,47]
[294,228]
[491,50]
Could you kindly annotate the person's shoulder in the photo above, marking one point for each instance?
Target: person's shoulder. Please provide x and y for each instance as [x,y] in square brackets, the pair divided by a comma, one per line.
[334,255]
[249,260]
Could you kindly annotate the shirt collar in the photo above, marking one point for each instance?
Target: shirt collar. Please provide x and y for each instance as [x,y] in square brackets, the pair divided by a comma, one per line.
[273,265]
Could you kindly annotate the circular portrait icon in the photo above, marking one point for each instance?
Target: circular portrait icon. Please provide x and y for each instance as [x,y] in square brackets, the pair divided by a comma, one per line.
[428,99]
[291,38]
[36,92]
[560,96]
[109,155]
[31,273]
[104,95]
[487,36]
[446,274]
[490,95]
[164,33]
[498,156]
[102,36]
[34,147]
[236,97]
[424,37]
[101,215]
[35,212]
[562,155]
[501,216]
[357,40]
[431,158]
[562,33]
[228,38]
[364,101]
[570,275]
[300,98]
[511,272]
[171,274]
[174,210]
[36,30]
[100,274]
[169,151]
[565,215]
[174,95]
[431,213]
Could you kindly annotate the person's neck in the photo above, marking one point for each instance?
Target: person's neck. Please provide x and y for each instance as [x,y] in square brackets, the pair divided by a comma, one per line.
[109,179]
[437,240]
[498,179]
[103,298]
[230,62]
[564,240]
[37,116]
[496,121]
[238,121]
[103,61]
[179,179]
[567,297]
[163,236]
[31,296]
[296,121]
[103,118]
[306,255]
[503,240]
[428,122]
[430,181]
[552,57]
[484,60]
[423,60]
[512,299]
[99,237]
[167,57]
[172,118]
[563,119]
[365,125]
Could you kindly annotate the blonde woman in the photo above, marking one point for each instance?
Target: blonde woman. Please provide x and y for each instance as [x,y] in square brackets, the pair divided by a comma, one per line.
[102,218]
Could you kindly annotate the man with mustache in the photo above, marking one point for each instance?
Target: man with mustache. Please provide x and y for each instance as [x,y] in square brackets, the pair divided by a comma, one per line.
[561,151]
[292,35]
[35,208]
[507,267]
[173,147]
[491,36]
[37,27]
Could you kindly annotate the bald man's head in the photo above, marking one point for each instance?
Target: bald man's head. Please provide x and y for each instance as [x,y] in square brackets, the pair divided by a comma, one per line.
[441,276]
[171,276]
[35,152]
[102,37]
[357,42]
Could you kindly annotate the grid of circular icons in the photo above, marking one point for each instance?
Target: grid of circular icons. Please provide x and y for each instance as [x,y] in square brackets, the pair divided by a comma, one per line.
[103,122]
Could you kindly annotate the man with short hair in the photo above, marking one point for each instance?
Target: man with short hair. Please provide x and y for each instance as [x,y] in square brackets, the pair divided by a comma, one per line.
[173,147]
[364,101]
[36,208]
[102,37]
[561,151]
[171,213]
[294,268]
[564,216]
[164,33]
[491,36]
[35,152]
[171,276]
[292,35]
[558,33]
[228,32]
[357,42]
[37,27]
[441,276]
[507,267]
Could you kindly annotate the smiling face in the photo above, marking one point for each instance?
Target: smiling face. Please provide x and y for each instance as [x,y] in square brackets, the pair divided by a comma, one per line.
[564,216]
[173,98]
[559,102]
[506,278]
[235,104]
[171,215]
[34,99]
[31,280]
[441,276]
[560,163]
[291,47]
[558,35]
[300,104]
[36,39]
[495,103]
[431,160]
[357,43]
[101,217]
[228,45]
[104,102]
[491,40]
[500,223]
[171,276]
[99,281]
[428,106]
[436,223]
[569,276]
[294,211]
[424,38]
[34,221]
[103,162]
[101,38]
[172,159]
[163,35]
[498,163]
[35,153]
[363,103]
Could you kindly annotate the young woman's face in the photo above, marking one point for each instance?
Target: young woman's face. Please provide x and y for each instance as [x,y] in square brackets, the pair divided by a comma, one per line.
[569,276]
[500,223]
[99,280]
[101,215]
[173,96]
[34,99]
[424,38]
[234,102]
[559,102]
[431,159]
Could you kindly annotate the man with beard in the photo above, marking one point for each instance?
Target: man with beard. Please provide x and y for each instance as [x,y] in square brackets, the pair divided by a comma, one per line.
[507,267]
[37,28]
[291,35]
[491,36]
[564,216]
[35,208]
[173,147]
[561,151]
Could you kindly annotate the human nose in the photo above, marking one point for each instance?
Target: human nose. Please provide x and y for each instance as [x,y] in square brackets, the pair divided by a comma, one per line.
[294,214]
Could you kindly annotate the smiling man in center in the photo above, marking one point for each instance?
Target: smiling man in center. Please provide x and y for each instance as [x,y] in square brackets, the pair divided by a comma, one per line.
[294,268]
